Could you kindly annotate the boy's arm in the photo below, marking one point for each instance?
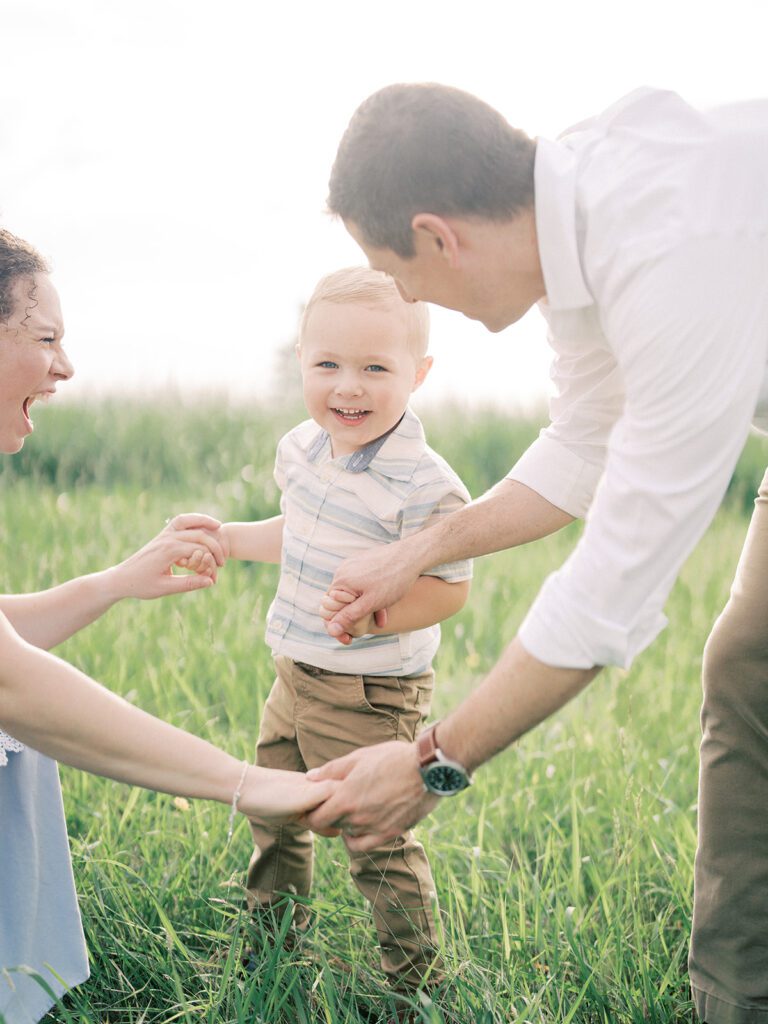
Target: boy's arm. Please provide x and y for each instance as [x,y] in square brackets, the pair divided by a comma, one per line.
[429,601]
[254,542]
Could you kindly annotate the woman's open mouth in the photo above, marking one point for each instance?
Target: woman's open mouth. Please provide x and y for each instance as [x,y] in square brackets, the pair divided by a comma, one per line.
[41,396]
[25,409]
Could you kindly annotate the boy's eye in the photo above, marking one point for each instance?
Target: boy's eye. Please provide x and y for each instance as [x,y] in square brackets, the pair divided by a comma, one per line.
[328,364]
[375,368]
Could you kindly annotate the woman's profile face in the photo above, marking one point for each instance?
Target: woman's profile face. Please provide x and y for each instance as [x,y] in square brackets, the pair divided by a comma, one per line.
[32,361]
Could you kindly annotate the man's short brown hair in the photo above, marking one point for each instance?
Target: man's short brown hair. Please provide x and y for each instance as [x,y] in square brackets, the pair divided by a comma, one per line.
[427,148]
[18,260]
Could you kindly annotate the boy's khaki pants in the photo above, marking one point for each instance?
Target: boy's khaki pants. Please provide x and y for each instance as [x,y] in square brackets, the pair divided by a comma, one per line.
[311,717]
[729,943]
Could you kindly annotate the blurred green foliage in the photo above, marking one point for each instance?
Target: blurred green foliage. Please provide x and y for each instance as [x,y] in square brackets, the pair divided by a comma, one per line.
[207,447]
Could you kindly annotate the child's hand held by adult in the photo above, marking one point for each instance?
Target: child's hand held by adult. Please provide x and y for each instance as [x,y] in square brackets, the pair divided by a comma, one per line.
[190,541]
[336,599]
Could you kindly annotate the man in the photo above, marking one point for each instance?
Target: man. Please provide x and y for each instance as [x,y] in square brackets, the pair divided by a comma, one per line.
[643,236]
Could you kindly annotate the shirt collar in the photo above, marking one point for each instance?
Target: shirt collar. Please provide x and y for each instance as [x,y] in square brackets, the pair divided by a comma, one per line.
[555,184]
[395,454]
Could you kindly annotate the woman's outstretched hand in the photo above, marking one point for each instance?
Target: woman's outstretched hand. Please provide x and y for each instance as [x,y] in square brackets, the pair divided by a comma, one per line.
[189,540]
[281,796]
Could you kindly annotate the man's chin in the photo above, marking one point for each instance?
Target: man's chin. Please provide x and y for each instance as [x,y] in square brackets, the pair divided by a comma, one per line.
[503,320]
[495,326]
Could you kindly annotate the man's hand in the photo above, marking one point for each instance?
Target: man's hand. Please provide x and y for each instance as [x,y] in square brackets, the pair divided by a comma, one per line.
[379,795]
[190,541]
[378,578]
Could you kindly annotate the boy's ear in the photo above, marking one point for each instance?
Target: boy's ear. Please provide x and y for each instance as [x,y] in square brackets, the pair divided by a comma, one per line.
[421,372]
[297,350]
[434,236]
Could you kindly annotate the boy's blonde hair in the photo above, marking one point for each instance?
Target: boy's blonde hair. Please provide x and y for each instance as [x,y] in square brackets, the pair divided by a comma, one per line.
[361,286]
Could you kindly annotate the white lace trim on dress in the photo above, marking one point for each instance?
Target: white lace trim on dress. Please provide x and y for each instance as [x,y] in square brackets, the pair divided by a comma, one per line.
[8,743]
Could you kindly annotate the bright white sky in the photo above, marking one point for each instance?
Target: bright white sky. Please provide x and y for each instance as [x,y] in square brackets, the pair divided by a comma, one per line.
[172,156]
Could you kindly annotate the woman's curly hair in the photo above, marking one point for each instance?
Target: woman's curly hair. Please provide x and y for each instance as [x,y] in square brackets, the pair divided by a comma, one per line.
[18,259]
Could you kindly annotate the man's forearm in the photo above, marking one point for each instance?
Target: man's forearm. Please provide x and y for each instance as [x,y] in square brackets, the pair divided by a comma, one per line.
[381,791]
[510,514]
[518,693]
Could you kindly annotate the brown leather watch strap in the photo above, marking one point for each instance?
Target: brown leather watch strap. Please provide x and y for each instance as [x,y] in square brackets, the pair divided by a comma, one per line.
[426,746]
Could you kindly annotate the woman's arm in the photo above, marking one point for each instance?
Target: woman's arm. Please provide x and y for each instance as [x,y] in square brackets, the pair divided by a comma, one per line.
[49,617]
[56,709]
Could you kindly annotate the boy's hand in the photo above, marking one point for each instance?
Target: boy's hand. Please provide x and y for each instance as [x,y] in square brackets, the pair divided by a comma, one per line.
[190,541]
[333,601]
[199,562]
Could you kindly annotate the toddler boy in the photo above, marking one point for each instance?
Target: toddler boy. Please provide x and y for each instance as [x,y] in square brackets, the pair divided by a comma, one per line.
[359,473]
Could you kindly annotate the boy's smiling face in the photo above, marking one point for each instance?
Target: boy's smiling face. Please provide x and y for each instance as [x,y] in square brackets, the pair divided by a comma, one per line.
[358,370]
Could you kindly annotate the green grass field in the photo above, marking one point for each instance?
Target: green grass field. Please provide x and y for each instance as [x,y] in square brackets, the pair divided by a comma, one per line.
[564,874]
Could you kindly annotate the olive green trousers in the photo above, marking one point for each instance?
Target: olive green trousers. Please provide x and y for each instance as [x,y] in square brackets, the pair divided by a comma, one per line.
[729,943]
[310,717]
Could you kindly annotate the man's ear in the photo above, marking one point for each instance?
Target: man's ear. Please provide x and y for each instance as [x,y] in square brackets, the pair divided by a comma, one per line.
[433,235]
[421,372]
[297,350]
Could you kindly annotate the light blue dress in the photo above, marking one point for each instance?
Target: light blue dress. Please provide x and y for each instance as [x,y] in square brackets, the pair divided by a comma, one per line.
[40,924]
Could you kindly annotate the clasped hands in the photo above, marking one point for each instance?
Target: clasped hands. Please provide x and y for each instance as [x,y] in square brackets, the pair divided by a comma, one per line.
[191,541]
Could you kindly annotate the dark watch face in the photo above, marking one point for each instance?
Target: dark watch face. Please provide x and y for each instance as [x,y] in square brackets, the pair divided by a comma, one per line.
[443,778]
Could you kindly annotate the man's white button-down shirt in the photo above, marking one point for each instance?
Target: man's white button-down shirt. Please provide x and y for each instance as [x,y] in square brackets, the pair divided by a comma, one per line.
[652,223]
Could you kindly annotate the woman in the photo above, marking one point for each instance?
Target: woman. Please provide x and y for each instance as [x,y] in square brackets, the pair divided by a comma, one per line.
[50,710]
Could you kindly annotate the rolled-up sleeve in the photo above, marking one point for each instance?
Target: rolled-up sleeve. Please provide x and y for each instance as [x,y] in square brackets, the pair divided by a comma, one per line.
[689,334]
[567,460]
[426,506]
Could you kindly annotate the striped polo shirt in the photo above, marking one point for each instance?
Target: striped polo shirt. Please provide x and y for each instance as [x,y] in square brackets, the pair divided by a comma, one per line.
[337,507]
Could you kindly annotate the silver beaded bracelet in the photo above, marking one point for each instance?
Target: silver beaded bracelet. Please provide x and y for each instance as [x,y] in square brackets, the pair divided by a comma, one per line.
[235,799]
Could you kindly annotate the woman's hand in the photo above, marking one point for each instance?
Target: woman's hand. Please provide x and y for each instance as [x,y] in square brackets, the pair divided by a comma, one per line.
[281,796]
[191,541]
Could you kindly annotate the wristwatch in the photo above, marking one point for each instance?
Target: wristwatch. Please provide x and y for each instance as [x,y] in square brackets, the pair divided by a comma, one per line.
[440,775]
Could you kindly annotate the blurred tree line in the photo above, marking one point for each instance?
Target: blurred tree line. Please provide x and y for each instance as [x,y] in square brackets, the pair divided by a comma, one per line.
[205,446]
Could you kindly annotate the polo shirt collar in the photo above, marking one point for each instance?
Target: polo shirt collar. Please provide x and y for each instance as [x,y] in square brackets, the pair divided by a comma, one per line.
[555,189]
[395,454]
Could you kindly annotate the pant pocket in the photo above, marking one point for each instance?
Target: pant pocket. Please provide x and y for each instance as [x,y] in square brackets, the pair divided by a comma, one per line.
[404,701]
[382,695]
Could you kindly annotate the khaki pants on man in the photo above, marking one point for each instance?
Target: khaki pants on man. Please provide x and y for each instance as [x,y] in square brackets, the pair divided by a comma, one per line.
[311,717]
[729,943]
